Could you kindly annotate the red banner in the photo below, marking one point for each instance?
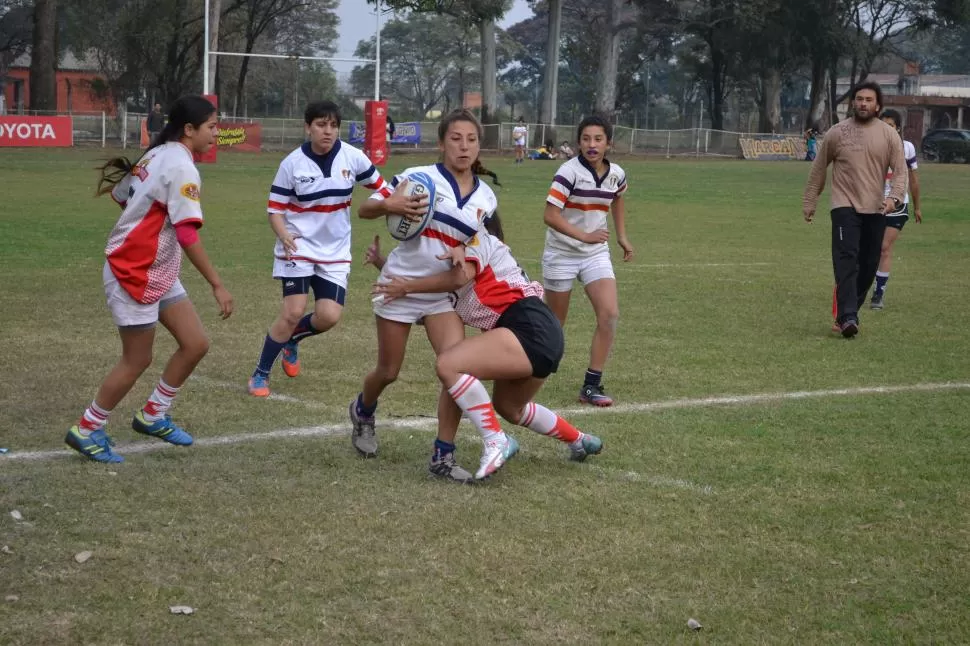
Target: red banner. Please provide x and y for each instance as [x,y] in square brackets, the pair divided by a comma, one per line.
[247,137]
[16,130]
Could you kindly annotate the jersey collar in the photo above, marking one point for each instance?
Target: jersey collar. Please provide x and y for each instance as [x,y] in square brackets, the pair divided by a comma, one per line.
[462,201]
[598,180]
[325,162]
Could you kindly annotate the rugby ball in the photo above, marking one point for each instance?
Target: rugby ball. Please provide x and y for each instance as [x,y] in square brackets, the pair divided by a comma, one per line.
[399,226]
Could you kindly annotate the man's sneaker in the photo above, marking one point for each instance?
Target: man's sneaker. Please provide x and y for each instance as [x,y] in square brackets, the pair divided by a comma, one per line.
[876,302]
[849,328]
[96,446]
[163,429]
[497,452]
[290,360]
[584,446]
[259,385]
[363,437]
[594,395]
[448,469]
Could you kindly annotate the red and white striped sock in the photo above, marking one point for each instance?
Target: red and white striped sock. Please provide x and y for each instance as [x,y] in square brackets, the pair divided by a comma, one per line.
[94,418]
[540,419]
[471,397]
[160,401]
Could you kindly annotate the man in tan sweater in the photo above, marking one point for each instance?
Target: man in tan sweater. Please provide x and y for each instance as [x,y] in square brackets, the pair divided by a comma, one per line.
[861,150]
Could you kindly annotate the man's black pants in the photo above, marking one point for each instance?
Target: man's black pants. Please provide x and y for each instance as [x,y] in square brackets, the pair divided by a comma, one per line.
[856,247]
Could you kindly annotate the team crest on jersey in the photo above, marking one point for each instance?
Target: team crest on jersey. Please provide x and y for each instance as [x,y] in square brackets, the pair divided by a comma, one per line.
[140,170]
[190,191]
[346,174]
[613,181]
[473,242]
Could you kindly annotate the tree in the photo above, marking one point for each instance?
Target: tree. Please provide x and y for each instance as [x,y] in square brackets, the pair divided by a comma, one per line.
[418,59]
[481,14]
[43,57]
[16,29]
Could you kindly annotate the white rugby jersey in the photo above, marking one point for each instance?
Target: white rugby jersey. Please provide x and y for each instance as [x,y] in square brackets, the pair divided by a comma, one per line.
[519,133]
[499,282]
[909,151]
[313,192]
[585,201]
[162,190]
[455,221]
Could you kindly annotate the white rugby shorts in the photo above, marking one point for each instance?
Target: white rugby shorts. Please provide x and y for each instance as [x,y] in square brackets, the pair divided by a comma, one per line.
[335,272]
[127,312]
[560,269]
[412,310]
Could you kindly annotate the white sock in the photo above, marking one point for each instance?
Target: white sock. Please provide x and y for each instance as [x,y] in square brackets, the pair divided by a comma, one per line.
[94,418]
[473,399]
[161,400]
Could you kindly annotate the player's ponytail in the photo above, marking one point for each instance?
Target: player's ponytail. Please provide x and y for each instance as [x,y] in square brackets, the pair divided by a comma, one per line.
[479,169]
[189,109]
[493,224]
[113,171]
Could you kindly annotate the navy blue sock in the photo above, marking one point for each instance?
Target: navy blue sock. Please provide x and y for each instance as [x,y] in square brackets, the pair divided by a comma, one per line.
[442,448]
[364,411]
[271,350]
[593,377]
[881,279]
[304,329]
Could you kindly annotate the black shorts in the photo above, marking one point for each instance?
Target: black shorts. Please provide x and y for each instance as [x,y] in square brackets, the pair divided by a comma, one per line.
[322,288]
[897,219]
[539,332]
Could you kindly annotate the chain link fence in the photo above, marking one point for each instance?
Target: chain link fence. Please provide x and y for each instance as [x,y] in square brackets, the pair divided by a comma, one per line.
[124,130]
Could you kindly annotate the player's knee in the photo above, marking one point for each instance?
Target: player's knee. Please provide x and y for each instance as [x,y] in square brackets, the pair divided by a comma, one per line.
[325,318]
[509,412]
[445,367]
[387,374]
[137,361]
[196,348]
[608,317]
[291,315]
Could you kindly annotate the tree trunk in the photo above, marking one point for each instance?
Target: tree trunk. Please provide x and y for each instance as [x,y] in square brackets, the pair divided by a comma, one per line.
[816,101]
[770,108]
[43,57]
[718,65]
[833,93]
[550,81]
[609,60]
[487,32]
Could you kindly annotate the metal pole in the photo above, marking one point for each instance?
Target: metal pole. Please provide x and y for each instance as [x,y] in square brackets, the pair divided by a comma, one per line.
[205,51]
[104,126]
[377,57]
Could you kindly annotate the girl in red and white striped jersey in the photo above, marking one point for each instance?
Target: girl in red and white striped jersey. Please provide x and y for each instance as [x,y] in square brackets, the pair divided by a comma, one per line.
[161,216]
[521,344]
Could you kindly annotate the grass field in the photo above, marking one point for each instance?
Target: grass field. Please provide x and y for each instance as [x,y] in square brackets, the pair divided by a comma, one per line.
[778,483]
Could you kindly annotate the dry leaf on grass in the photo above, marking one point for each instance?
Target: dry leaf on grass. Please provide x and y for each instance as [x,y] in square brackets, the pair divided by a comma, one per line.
[12,598]
[693,624]
[16,515]
[181,610]
[82,557]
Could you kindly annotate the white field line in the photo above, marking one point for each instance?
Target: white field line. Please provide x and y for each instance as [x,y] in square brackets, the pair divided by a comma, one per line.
[429,422]
[240,387]
[622,266]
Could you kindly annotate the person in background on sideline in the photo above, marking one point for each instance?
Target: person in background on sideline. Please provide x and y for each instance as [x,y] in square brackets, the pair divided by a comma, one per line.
[161,216]
[584,190]
[156,121]
[520,133]
[861,150]
[895,220]
[309,211]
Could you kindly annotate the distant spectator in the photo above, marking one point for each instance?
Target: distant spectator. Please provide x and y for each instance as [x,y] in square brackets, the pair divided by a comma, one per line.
[811,144]
[519,135]
[565,150]
[156,121]
[391,129]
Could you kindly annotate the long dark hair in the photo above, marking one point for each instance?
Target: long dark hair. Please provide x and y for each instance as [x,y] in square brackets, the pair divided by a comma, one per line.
[189,109]
[478,168]
[493,225]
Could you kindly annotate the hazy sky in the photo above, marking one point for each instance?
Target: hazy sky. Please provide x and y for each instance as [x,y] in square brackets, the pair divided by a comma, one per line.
[357,23]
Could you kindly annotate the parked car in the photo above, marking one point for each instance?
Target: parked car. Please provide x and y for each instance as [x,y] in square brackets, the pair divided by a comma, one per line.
[947,145]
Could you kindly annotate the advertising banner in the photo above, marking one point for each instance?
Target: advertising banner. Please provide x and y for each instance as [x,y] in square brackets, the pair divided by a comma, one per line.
[404,133]
[18,130]
[247,137]
[772,147]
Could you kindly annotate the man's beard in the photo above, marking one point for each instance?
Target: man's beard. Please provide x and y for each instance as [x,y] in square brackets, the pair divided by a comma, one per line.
[864,119]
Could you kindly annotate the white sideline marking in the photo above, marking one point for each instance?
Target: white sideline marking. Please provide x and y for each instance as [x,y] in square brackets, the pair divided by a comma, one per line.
[422,422]
[228,385]
[672,265]
[661,482]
